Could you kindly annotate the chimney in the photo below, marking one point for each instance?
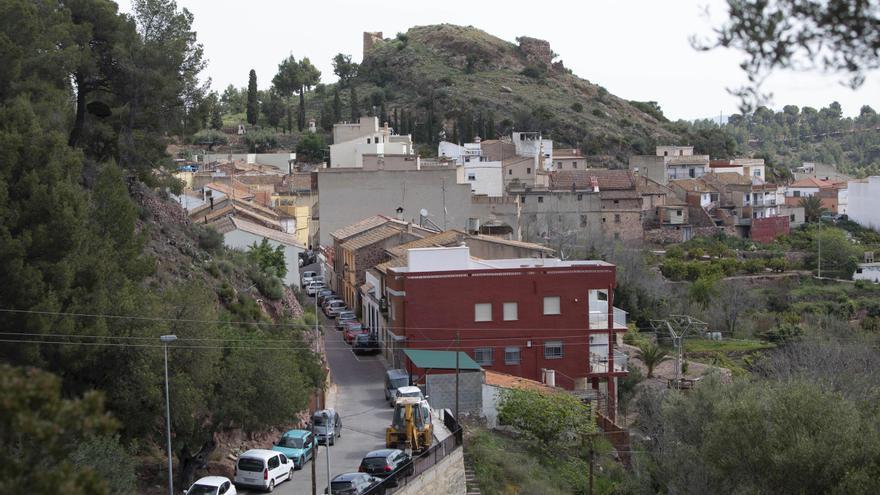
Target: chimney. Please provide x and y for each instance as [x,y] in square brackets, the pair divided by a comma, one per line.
[477,139]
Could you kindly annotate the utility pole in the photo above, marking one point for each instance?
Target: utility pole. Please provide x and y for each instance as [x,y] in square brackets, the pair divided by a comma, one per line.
[166,339]
[314,468]
[592,463]
[678,327]
[457,352]
[327,447]
[444,204]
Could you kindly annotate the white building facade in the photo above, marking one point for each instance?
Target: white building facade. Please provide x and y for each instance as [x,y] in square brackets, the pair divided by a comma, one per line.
[863,202]
[352,141]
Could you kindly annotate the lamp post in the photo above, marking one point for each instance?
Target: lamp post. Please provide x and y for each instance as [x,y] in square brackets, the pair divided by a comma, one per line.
[166,339]
[327,446]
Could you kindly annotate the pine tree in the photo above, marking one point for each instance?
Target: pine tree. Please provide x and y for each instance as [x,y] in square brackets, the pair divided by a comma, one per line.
[353,102]
[252,103]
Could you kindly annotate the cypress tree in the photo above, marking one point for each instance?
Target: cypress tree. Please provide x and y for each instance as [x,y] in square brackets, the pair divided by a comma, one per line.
[353,101]
[337,106]
[252,104]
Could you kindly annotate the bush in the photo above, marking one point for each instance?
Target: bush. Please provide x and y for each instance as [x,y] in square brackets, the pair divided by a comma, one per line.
[310,148]
[260,141]
[109,459]
[577,107]
[696,252]
[209,138]
[226,293]
[533,72]
[269,285]
[777,264]
[782,333]
[754,266]
[675,252]
[210,240]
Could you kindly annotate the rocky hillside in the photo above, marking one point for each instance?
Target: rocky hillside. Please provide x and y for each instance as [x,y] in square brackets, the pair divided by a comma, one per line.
[446,73]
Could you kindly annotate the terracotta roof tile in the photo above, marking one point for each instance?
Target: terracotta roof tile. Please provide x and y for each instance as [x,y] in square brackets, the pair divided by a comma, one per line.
[503,380]
[440,239]
[582,179]
[371,237]
[360,226]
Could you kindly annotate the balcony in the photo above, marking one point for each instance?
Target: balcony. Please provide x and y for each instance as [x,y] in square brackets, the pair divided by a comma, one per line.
[599,319]
[599,363]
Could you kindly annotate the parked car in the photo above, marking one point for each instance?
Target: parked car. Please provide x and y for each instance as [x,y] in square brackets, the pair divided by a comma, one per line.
[334,308]
[408,391]
[314,287]
[262,469]
[354,484]
[212,485]
[328,300]
[298,445]
[306,278]
[387,463]
[344,316]
[366,343]
[327,427]
[323,294]
[351,329]
[394,379]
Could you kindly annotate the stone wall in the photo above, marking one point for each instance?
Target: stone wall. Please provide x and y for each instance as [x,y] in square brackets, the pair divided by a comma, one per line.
[446,478]
[441,389]
[537,51]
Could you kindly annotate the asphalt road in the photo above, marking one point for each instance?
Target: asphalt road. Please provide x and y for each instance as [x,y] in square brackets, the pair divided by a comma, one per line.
[365,414]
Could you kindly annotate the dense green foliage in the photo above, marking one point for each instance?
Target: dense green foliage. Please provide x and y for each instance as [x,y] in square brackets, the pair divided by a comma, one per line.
[546,417]
[41,434]
[85,258]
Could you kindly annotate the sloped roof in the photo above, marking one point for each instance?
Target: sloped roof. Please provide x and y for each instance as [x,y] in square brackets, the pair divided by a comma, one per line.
[440,360]
[437,240]
[811,182]
[371,236]
[229,223]
[503,380]
[261,179]
[237,192]
[606,178]
[693,185]
[521,244]
[393,263]
[732,178]
[360,226]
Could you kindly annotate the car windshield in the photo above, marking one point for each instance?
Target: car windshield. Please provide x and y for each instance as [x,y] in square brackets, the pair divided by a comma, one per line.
[318,420]
[362,338]
[375,462]
[248,464]
[202,490]
[291,442]
[342,487]
[346,316]
[399,382]
[355,327]
[414,393]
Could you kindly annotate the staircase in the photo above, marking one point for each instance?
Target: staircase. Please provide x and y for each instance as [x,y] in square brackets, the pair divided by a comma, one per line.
[470,478]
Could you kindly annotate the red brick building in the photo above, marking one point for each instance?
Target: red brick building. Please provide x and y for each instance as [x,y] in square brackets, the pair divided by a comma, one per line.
[516,316]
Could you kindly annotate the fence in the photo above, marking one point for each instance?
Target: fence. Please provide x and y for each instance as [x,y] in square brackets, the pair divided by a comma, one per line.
[424,461]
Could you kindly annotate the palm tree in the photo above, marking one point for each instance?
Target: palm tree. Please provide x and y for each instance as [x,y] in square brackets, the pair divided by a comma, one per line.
[651,354]
[813,208]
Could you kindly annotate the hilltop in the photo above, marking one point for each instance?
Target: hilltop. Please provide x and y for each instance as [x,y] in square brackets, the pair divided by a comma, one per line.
[445,74]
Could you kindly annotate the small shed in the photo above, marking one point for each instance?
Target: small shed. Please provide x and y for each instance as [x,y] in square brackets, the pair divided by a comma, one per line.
[434,371]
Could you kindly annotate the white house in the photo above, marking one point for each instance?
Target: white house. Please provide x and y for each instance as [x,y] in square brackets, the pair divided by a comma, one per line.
[867,271]
[242,234]
[351,141]
[532,144]
[863,202]
[485,178]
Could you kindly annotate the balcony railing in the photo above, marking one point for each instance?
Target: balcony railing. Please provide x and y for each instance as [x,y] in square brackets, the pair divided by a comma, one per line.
[599,319]
[599,363]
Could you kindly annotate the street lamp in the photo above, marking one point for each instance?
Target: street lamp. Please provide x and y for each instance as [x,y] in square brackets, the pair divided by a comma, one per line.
[166,339]
[327,445]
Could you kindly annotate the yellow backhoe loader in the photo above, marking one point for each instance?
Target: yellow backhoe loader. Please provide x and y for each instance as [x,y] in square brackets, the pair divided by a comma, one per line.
[411,426]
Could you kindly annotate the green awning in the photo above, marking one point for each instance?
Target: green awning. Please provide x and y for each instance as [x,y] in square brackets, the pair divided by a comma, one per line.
[440,360]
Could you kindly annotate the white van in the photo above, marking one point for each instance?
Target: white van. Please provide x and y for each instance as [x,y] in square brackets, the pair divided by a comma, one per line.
[262,469]
[306,277]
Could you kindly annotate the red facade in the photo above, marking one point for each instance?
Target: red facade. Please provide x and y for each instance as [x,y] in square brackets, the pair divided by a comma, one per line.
[429,309]
[767,229]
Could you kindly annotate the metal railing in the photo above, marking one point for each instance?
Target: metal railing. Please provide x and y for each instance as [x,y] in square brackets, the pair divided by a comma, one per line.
[599,319]
[599,363]
[424,461]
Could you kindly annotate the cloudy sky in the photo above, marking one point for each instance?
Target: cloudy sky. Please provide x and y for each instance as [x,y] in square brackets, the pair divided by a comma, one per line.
[637,49]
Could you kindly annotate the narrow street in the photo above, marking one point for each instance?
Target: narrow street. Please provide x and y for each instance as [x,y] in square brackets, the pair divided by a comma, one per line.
[360,402]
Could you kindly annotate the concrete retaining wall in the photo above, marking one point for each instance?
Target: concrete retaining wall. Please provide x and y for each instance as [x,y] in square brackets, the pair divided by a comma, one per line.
[441,391]
[446,478]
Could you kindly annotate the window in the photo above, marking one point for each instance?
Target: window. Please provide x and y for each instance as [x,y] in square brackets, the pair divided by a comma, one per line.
[580,197]
[665,153]
[368,140]
[797,194]
[522,199]
[483,312]
[510,171]
[574,164]
[617,201]
[678,213]
[472,176]
[583,220]
[551,305]
[616,218]
[692,173]
[553,349]
[791,218]
[483,356]
[680,152]
[540,199]
[559,165]
[510,311]
[274,462]
[617,236]
[528,170]
[511,355]
[603,219]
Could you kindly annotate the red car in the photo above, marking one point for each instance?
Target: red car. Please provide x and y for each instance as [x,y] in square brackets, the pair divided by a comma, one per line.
[351,329]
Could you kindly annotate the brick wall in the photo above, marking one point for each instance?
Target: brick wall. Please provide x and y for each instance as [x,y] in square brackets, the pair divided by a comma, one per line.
[441,389]
[767,229]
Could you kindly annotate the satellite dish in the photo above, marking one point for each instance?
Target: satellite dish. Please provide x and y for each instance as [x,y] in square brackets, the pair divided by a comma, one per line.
[423,212]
